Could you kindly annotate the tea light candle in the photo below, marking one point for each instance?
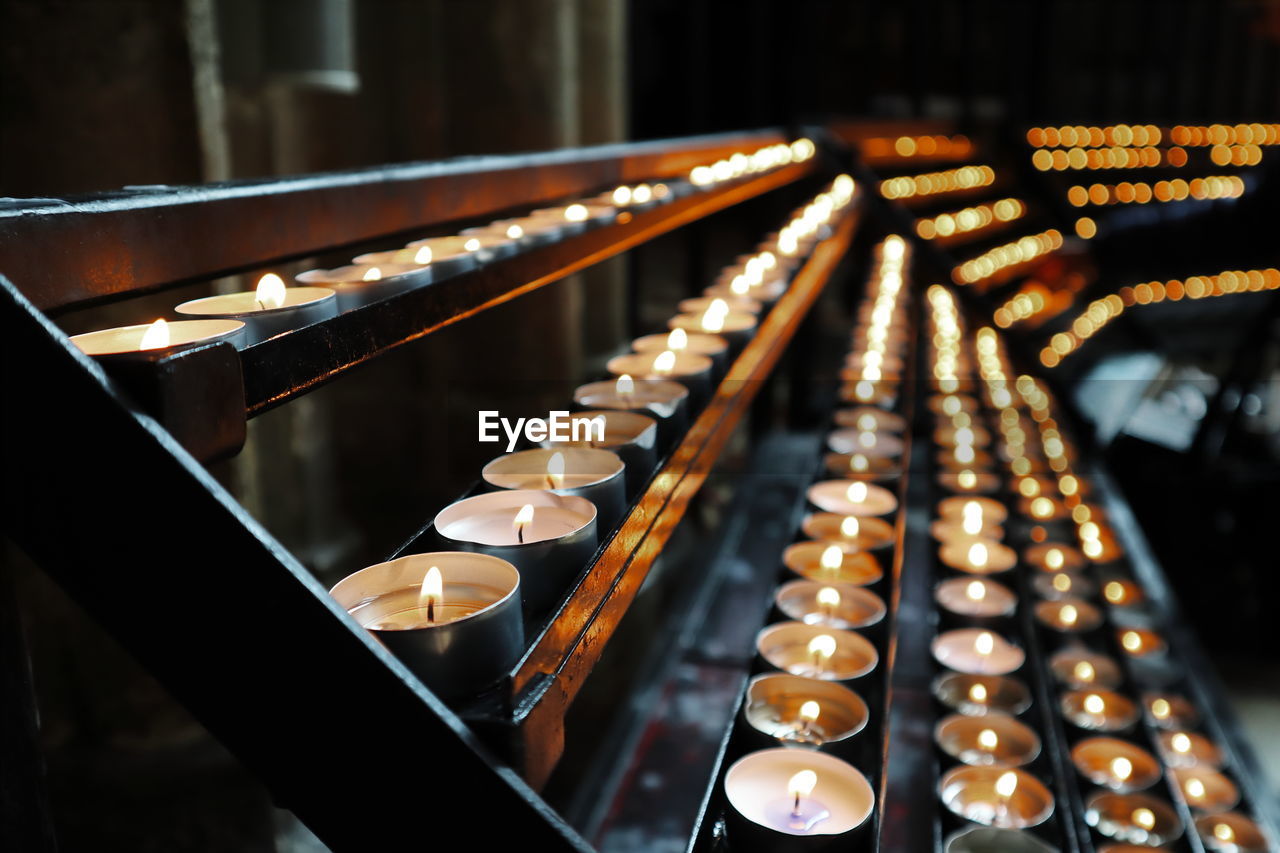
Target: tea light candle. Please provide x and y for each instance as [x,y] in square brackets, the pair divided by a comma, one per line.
[952,404]
[969,527]
[527,230]
[577,217]
[1060,585]
[836,605]
[452,617]
[1054,557]
[1231,832]
[267,311]
[1140,642]
[1170,711]
[870,418]
[989,510]
[633,436]
[832,563]
[1188,749]
[691,370]
[1134,818]
[1068,615]
[881,393]
[500,240]
[713,347]
[978,556]
[161,337]
[1005,797]
[1043,508]
[977,652]
[976,695]
[700,304]
[444,256]
[1100,710]
[871,444]
[855,497]
[969,481]
[801,710]
[792,792]
[1122,593]
[663,400]
[361,284]
[1205,789]
[975,597]
[1080,669]
[993,738]
[814,651]
[864,534]
[597,475]
[1115,764]
[548,537]
[858,466]
[962,457]
[953,436]
[990,839]
[734,326]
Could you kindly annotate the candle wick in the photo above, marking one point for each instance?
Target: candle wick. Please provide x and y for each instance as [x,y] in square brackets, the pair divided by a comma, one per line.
[551,482]
[431,609]
[796,809]
[520,533]
[261,306]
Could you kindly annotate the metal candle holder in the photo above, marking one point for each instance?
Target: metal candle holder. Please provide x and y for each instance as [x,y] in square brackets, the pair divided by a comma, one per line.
[591,473]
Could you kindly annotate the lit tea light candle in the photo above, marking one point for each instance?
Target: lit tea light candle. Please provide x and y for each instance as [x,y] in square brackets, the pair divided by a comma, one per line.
[836,605]
[1205,789]
[361,284]
[978,556]
[590,473]
[870,418]
[966,436]
[996,796]
[879,392]
[713,347]
[453,618]
[832,563]
[734,326]
[1140,642]
[1054,557]
[1082,670]
[1231,832]
[952,404]
[962,457]
[691,370]
[792,792]
[871,444]
[159,338]
[1122,593]
[864,534]
[994,738]
[1133,818]
[814,651]
[976,695]
[801,710]
[845,497]
[960,508]
[859,466]
[1170,711]
[633,436]
[975,597]
[1115,764]
[724,304]
[1061,585]
[1188,749]
[576,217]
[1068,615]
[969,481]
[976,652]
[548,537]
[1099,710]
[268,310]
[972,526]
[1043,508]
[661,399]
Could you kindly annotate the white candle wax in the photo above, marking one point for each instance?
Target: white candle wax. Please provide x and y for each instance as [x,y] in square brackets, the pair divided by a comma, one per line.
[758,788]
[180,333]
[977,652]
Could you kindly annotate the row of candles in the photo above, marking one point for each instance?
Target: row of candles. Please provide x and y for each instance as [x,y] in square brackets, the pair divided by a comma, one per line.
[1005,259]
[456,617]
[804,710]
[1141,135]
[883,149]
[991,786]
[272,308]
[978,218]
[1141,192]
[934,183]
[1118,157]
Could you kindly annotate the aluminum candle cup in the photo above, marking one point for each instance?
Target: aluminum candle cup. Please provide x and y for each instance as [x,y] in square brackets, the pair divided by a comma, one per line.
[300,306]
[856,466]
[1057,586]
[713,347]
[1231,832]
[794,800]
[1205,789]
[1081,669]
[665,401]
[834,605]
[497,238]
[457,643]
[977,652]
[852,497]
[1188,749]
[128,341]
[597,475]
[631,435]
[691,370]
[1115,764]
[444,256]
[864,534]
[832,563]
[813,651]
[1133,818]
[977,695]
[361,284]
[1068,615]
[804,712]
[991,739]
[1098,710]
[975,598]
[872,444]
[1170,711]
[735,327]
[549,551]
[989,839]
[1004,797]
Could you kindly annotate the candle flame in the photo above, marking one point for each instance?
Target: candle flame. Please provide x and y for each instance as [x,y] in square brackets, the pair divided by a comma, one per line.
[856,493]
[1132,641]
[270,292]
[965,454]
[641,193]
[832,558]
[472,245]
[665,362]
[822,646]
[622,195]
[972,524]
[976,591]
[849,527]
[858,462]
[1161,709]
[423,256]
[867,422]
[1195,788]
[677,340]
[972,509]
[524,517]
[1223,832]
[1093,704]
[626,385]
[576,213]
[431,594]
[988,740]
[950,405]
[978,555]
[1121,768]
[809,711]
[867,438]
[829,597]
[1181,743]
[1062,583]
[1068,614]
[978,693]
[864,390]
[712,321]
[1144,818]
[1083,671]
[967,479]
[1042,507]
[1114,591]
[802,784]
[740,286]
[372,274]
[555,472]
[1007,784]
[984,643]
[156,336]
[514,232]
